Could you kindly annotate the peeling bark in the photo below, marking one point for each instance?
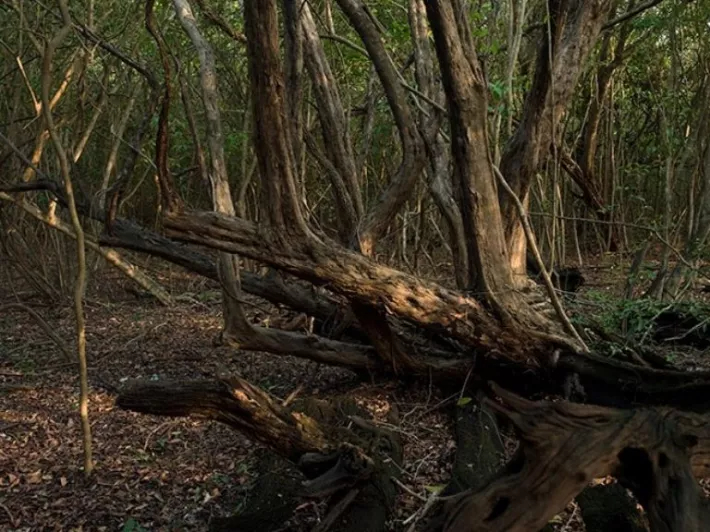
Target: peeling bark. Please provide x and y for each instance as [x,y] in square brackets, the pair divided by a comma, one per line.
[234,402]
[355,276]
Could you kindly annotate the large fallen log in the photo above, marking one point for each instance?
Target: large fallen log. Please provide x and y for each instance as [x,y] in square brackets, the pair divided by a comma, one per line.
[346,465]
[354,276]
[653,452]
[442,311]
[491,347]
[656,453]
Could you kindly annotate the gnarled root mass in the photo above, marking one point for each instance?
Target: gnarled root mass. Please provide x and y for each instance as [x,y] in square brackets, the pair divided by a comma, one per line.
[652,452]
[347,465]
[655,453]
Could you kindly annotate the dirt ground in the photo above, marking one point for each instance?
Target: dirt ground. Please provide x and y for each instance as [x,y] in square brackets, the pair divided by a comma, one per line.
[162,474]
[159,473]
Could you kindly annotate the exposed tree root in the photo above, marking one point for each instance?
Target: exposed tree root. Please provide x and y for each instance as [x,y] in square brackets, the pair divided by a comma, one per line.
[653,452]
[352,463]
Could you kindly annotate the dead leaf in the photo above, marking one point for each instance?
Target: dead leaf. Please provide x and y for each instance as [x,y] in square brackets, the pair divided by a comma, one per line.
[34,478]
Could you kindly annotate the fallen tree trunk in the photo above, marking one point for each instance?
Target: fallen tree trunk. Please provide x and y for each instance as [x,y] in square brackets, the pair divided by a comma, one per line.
[604,381]
[652,452]
[236,403]
[655,453]
[423,303]
[344,464]
[498,345]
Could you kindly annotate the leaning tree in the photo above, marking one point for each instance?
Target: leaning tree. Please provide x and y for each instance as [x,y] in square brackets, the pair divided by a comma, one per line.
[375,319]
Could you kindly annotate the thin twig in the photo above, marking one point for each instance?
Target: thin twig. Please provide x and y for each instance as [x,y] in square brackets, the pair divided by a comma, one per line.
[566,323]
[408,489]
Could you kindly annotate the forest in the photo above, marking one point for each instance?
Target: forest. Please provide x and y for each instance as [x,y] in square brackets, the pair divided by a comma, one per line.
[355,265]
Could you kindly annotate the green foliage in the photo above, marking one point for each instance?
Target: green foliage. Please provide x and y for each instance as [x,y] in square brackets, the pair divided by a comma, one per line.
[662,73]
[131,525]
[464,401]
[636,318]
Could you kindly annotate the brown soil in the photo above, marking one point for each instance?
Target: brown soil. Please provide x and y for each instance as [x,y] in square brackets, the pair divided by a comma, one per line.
[159,473]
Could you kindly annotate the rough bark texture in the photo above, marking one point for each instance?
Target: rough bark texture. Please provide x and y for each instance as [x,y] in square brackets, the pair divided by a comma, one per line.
[439,155]
[354,276]
[335,460]
[235,321]
[272,134]
[575,27]
[653,452]
[474,182]
[234,402]
[170,199]
[443,314]
[334,126]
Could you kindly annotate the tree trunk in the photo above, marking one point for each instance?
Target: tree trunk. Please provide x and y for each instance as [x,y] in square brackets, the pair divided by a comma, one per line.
[575,26]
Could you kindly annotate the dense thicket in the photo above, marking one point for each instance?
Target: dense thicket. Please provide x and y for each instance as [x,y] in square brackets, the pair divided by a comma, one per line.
[397,167]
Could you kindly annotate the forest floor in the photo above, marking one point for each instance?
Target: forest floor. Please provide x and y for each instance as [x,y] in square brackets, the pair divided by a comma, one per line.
[177,474]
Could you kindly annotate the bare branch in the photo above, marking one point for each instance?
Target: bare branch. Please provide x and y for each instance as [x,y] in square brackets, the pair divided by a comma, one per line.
[80,282]
[631,13]
[413,154]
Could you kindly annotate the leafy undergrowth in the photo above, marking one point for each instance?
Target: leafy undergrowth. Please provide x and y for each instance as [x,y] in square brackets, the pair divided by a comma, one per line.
[173,474]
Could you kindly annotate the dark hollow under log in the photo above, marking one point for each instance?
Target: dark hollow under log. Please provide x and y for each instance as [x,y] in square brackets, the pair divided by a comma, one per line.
[676,326]
[479,448]
[270,502]
[609,508]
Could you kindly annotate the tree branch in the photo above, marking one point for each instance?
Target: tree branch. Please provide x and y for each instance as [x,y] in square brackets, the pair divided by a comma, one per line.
[631,14]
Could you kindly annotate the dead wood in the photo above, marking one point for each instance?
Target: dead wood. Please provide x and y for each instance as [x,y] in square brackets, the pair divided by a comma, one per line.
[604,381]
[234,402]
[352,275]
[354,465]
[610,382]
[652,452]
